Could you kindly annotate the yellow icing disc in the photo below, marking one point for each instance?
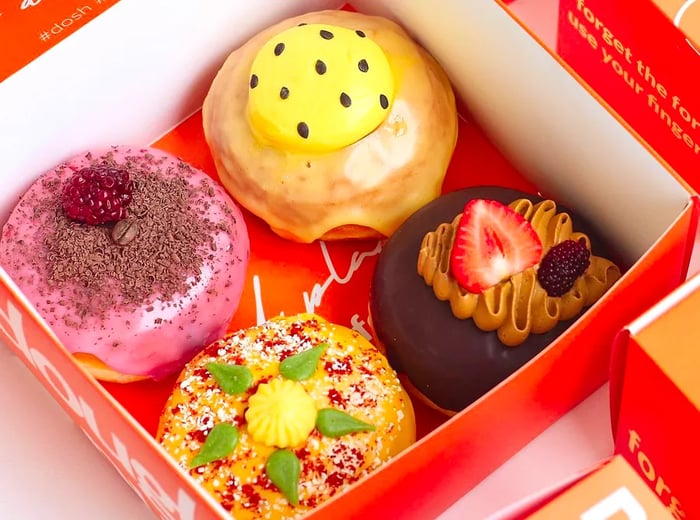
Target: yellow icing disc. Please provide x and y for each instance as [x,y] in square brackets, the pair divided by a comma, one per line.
[319,88]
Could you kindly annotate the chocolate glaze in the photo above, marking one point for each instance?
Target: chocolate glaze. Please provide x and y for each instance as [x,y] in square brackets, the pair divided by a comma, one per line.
[449,360]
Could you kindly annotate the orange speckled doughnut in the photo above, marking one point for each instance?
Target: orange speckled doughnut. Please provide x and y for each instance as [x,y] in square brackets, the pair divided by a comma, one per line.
[346,375]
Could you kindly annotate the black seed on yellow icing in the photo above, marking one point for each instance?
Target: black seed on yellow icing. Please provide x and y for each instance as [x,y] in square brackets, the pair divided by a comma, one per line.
[302,24]
[308,79]
[253,81]
[303,130]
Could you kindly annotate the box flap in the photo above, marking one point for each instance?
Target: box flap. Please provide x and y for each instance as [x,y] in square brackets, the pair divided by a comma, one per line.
[624,337]
[684,14]
[669,338]
[29,28]
[613,489]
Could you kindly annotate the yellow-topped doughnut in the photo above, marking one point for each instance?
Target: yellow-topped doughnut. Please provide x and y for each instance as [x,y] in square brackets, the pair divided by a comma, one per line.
[319,87]
[362,169]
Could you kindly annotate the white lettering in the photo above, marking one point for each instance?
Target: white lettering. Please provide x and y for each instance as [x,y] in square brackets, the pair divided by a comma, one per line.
[29,3]
[358,325]
[259,310]
[679,17]
[152,490]
[313,300]
[356,260]
[136,475]
[56,380]
[15,334]
[621,500]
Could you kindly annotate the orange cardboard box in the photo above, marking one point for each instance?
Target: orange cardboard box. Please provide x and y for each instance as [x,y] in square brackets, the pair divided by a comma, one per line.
[29,28]
[655,398]
[614,490]
[607,490]
[527,123]
[640,58]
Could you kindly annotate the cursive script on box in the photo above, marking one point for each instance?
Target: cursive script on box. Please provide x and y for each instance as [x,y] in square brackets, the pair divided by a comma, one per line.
[313,300]
[29,3]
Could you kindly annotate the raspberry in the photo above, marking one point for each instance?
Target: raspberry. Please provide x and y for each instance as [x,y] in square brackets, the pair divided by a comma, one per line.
[562,265]
[97,195]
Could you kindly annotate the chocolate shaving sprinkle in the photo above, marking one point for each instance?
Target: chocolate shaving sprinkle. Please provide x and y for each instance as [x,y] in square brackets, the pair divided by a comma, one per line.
[99,274]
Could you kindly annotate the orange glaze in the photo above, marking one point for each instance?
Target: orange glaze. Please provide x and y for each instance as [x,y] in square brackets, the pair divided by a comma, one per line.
[351,376]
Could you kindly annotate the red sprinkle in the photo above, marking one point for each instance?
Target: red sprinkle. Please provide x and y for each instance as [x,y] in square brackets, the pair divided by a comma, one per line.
[252,498]
[335,398]
[339,367]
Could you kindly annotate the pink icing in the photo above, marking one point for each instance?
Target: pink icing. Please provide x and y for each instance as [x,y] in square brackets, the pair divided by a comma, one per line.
[157,337]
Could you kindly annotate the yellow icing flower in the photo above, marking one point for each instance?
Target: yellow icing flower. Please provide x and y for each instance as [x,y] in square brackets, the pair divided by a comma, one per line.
[319,88]
[280,414]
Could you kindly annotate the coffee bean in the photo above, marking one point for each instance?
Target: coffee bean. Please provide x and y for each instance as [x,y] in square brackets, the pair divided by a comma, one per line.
[125,231]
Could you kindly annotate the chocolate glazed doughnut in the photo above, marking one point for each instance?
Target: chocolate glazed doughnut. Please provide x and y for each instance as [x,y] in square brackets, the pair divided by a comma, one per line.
[449,361]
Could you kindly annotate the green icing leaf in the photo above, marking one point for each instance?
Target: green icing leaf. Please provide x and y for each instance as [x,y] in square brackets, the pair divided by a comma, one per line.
[303,365]
[233,379]
[334,423]
[283,469]
[220,443]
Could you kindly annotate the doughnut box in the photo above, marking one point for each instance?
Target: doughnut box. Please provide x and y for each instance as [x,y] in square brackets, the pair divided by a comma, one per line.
[527,122]
[644,79]
[655,398]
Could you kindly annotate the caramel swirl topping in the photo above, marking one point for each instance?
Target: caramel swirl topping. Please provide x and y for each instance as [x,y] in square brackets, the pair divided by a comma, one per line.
[517,306]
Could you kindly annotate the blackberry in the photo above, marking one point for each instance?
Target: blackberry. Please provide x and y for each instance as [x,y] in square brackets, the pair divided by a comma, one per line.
[562,265]
[97,195]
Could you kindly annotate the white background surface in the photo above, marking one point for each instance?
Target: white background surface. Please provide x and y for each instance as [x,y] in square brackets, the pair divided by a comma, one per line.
[50,469]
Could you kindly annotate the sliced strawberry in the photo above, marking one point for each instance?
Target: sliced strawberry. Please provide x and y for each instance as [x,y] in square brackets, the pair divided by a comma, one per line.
[492,243]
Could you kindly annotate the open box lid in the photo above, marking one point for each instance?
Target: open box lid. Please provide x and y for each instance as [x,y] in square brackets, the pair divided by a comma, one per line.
[605,490]
[29,28]
[644,78]
[610,490]
[665,334]
[655,397]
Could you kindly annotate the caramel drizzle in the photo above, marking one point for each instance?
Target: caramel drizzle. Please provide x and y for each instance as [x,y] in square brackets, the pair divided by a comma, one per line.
[518,306]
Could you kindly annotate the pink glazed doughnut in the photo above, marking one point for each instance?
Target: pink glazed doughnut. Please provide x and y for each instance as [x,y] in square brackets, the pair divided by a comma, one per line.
[139,295]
